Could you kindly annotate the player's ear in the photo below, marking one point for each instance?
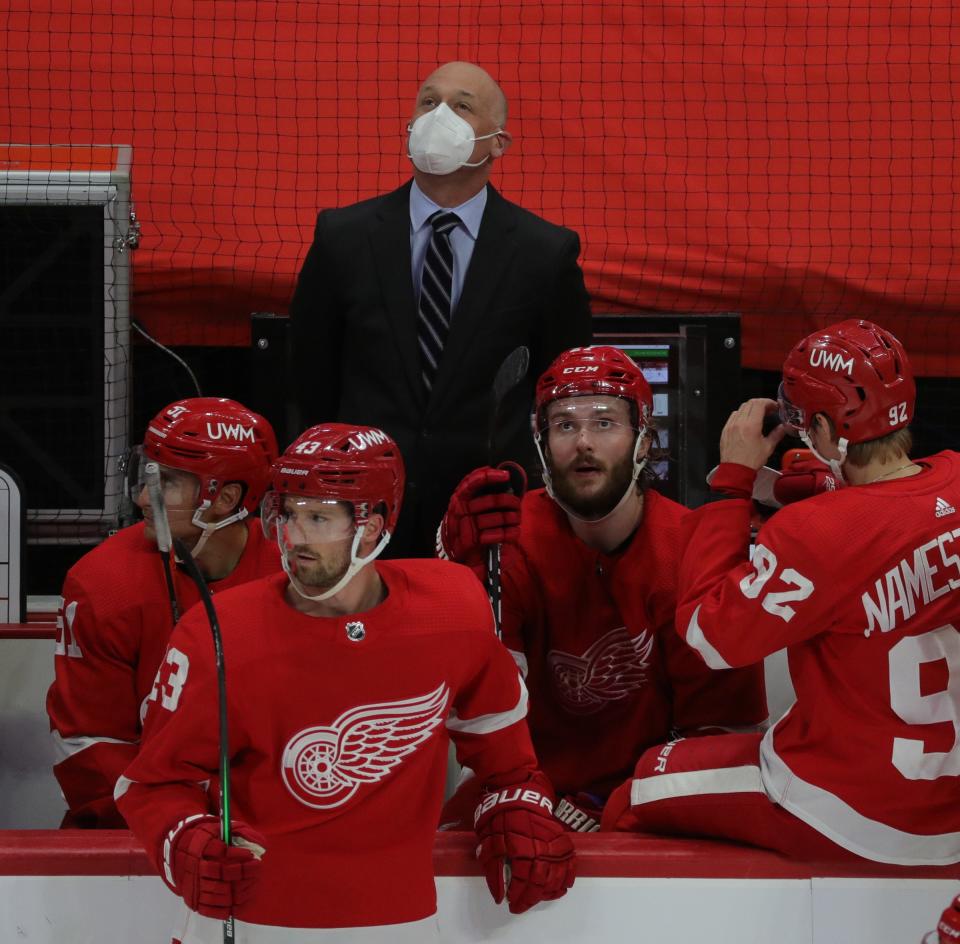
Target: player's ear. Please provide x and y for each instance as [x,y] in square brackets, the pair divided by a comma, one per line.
[822,425]
[645,445]
[372,531]
[228,500]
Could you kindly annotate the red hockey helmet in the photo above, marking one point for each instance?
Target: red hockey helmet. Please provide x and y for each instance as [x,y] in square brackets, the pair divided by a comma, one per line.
[855,373]
[219,441]
[594,371]
[342,462]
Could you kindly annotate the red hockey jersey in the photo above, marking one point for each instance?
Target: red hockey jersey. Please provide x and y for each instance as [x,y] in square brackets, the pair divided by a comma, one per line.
[112,630]
[863,586]
[338,736]
[594,634]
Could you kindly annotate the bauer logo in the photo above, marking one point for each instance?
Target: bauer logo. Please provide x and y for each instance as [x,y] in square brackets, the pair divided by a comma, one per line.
[581,370]
[324,766]
[284,470]
[230,431]
[372,437]
[831,360]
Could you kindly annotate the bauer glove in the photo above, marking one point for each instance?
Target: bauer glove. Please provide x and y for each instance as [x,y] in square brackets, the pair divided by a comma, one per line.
[484,510]
[526,855]
[211,877]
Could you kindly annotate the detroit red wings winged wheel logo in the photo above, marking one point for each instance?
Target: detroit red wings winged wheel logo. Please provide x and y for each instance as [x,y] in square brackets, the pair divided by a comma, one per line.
[613,667]
[324,766]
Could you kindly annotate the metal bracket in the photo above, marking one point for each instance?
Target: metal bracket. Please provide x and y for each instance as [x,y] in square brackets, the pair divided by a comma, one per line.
[131,239]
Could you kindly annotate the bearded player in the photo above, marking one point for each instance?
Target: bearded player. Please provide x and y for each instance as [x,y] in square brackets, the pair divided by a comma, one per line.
[861,586]
[116,616]
[346,678]
[590,589]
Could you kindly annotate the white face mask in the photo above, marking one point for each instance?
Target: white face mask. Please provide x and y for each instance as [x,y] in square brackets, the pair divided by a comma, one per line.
[441,142]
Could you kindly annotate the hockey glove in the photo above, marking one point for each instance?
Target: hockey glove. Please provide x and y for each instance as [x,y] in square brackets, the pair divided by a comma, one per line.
[526,855]
[948,930]
[211,877]
[803,475]
[484,510]
[580,812]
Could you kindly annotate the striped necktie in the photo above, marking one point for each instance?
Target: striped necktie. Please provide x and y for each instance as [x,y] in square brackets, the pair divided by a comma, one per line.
[436,295]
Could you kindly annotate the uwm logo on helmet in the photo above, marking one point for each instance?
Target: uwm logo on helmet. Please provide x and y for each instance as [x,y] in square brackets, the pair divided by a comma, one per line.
[230,431]
[831,360]
[584,369]
[372,437]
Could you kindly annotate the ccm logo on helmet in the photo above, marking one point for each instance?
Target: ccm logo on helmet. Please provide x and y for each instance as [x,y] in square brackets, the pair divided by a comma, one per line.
[581,370]
[832,361]
[372,437]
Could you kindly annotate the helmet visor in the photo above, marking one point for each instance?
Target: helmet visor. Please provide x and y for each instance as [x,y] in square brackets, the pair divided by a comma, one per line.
[297,519]
[792,416]
[178,486]
[599,416]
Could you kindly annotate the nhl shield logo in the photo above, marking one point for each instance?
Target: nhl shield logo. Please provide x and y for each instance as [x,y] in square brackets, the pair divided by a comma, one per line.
[356,631]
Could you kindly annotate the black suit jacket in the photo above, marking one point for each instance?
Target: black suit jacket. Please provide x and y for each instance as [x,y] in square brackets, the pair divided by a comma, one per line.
[356,356]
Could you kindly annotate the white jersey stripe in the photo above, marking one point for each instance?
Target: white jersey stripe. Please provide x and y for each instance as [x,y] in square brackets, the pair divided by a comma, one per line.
[695,782]
[487,724]
[521,661]
[67,747]
[696,640]
[121,787]
[839,821]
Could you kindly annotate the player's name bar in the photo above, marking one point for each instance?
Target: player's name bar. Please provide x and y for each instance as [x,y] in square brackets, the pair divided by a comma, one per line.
[616,855]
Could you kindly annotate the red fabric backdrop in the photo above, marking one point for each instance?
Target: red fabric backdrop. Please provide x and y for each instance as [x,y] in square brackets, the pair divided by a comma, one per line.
[794,161]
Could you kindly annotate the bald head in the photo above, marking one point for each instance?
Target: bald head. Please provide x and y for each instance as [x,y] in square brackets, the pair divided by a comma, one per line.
[473,85]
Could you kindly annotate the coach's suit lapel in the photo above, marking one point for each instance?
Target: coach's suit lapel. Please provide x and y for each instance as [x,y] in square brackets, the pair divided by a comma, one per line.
[488,266]
[390,239]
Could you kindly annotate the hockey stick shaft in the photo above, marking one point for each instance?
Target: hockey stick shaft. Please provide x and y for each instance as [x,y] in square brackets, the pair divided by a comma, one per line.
[193,572]
[510,373]
[494,588]
[161,526]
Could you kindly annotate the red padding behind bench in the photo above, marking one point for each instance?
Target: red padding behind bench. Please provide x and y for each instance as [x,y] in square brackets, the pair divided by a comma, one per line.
[30,630]
[83,852]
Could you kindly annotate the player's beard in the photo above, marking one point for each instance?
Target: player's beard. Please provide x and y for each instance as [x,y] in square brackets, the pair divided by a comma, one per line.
[329,564]
[604,500]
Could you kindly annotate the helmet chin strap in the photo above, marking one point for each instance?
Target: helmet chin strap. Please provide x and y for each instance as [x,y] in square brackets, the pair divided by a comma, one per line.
[836,465]
[208,527]
[638,465]
[355,566]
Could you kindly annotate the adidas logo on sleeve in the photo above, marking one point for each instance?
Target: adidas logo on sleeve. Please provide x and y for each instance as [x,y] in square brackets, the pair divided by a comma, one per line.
[944,508]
